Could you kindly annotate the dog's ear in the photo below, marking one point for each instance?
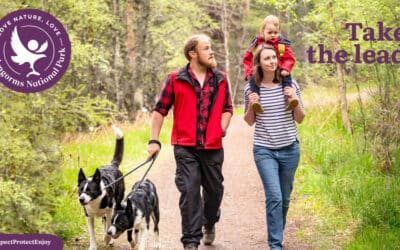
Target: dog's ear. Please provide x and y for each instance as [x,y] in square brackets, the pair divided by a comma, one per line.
[97,176]
[81,176]
[128,208]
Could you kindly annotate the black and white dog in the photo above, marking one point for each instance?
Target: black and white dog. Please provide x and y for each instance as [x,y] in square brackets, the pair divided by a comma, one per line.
[95,198]
[134,214]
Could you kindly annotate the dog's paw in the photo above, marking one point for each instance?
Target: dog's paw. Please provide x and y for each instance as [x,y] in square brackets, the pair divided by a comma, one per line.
[92,247]
[117,131]
[157,245]
[133,244]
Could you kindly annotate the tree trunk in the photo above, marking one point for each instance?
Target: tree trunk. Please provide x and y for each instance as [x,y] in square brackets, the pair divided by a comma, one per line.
[241,41]
[339,72]
[224,24]
[342,93]
[142,13]
[130,85]
[117,62]
[130,44]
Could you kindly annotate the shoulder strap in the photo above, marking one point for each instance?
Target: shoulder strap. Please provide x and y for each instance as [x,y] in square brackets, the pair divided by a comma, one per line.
[281,49]
[253,46]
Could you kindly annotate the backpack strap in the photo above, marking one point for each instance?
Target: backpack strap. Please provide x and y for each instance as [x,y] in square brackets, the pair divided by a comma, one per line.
[282,42]
[281,49]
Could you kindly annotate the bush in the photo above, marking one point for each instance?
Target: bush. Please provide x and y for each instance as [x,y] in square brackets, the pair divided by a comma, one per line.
[13,196]
[384,133]
[30,162]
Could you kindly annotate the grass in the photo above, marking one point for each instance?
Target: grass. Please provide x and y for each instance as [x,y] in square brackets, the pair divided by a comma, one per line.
[371,237]
[353,205]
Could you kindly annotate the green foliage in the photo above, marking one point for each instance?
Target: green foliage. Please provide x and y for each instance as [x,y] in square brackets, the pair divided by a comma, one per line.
[79,111]
[7,7]
[32,125]
[355,202]
[12,196]
[168,17]
[359,203]
[167,32]
[374,238]
[89,25]
[383,131]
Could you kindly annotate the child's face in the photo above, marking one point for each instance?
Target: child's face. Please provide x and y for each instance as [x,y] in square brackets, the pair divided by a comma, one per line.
[270,32]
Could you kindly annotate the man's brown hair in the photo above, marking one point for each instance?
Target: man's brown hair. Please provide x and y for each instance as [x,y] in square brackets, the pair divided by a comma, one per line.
[191,44]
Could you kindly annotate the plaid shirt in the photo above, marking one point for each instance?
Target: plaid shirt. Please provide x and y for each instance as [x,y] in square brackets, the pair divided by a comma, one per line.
[204,99]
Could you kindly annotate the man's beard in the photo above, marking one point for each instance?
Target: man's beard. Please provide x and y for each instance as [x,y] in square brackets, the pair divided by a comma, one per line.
[210,63]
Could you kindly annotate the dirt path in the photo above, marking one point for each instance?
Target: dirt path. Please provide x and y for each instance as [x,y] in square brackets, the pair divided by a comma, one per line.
[242,225]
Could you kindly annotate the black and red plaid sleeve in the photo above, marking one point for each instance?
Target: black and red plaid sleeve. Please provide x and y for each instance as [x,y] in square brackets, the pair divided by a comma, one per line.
[228,107]
[166,98]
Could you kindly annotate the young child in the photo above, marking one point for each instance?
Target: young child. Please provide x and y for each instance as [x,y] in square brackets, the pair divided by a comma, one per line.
[270,34]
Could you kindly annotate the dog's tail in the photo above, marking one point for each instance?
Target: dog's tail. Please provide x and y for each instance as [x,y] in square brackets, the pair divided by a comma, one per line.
[119,146]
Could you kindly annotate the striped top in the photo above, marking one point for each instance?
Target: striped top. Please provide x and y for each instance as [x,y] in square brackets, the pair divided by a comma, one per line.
[275,127]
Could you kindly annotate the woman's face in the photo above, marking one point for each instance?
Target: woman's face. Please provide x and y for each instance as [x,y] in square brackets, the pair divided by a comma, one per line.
[268,60]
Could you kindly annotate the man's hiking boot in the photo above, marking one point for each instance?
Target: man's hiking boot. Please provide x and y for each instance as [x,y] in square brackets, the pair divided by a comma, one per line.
[191,246]
[208,235]
[257,108]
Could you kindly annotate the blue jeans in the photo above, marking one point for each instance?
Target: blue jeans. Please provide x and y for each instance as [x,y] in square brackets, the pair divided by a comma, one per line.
[277,168]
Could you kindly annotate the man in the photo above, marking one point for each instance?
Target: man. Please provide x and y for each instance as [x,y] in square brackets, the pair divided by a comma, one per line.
[202,111]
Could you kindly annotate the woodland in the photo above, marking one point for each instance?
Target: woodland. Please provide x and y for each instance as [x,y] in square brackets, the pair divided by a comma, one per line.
[123,50]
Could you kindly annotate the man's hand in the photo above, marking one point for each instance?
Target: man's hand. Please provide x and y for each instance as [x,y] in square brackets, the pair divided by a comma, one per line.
[153,148]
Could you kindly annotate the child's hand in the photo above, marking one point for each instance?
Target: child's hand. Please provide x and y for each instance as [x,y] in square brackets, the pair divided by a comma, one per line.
[284,72]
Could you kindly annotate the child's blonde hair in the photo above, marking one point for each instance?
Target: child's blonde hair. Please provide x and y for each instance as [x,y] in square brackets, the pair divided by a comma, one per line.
[271,19]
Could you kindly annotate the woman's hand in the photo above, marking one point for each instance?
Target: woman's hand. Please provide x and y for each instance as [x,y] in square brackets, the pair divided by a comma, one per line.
[250,116]
[290,93]
[253,98]
[298,111]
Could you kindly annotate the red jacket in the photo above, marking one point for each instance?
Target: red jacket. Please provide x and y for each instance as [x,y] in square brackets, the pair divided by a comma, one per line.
[286,61]
[185,109]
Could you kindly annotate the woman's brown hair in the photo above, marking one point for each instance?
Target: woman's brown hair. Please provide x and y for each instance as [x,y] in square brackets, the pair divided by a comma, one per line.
[257,70]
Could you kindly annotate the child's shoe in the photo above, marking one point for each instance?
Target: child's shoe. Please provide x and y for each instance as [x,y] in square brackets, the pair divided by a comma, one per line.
[256,107]
[291,104]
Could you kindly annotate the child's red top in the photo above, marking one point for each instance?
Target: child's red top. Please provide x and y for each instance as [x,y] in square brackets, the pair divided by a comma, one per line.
[286,61]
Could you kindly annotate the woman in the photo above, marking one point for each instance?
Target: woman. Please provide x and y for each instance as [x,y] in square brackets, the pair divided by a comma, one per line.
[276,147]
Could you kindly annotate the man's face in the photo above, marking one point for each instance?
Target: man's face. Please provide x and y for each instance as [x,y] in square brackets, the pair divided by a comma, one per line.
[205,54]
